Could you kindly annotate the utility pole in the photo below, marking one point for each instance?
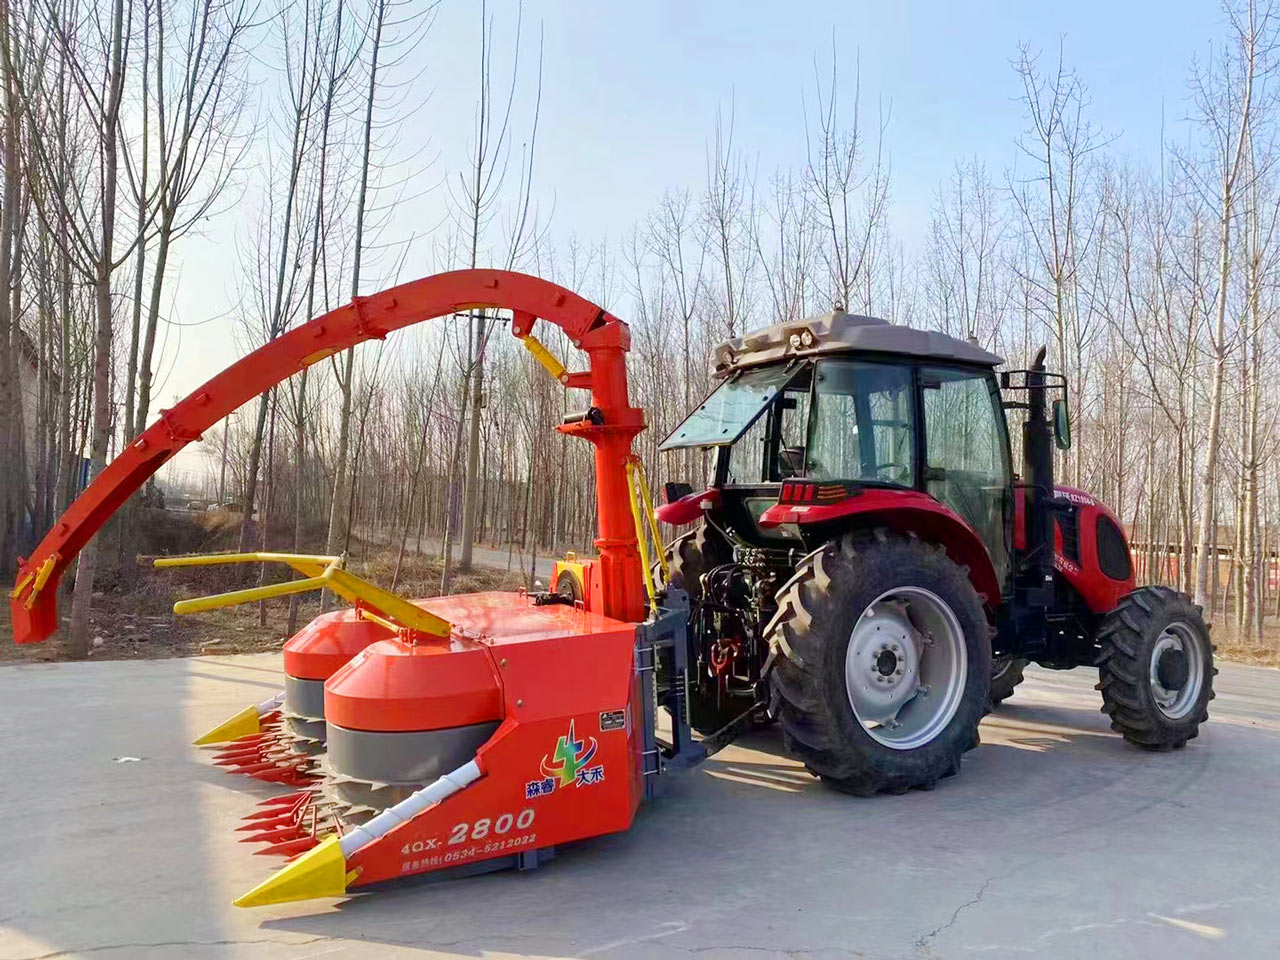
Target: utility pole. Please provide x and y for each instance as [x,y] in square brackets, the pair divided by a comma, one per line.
[471,488]
[222,477]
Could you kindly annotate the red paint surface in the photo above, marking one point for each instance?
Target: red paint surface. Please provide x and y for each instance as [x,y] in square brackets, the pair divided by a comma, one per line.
[556,665]
[1099,592]
[398,686]
[326,643]
[688,508]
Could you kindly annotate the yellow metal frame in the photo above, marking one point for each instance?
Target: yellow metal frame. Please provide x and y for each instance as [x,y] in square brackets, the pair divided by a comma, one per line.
[642,511]
[544,356]
[322,573]
[40,578]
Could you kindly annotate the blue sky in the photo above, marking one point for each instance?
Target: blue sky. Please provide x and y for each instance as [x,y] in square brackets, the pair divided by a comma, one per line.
[631,90]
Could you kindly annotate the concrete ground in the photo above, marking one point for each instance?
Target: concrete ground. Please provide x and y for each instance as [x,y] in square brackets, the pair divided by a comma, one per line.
[1057,840]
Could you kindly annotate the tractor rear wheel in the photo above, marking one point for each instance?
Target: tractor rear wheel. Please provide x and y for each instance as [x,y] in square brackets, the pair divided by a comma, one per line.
[690,556]
[1006,674]
[1156,668]
[883,663]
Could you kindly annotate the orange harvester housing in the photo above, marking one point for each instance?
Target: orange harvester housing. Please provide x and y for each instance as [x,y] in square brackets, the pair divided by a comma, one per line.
[517,728]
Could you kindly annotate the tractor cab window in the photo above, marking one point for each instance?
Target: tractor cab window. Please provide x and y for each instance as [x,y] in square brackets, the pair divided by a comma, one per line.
[732,408]
[967,458]
[773,448]
[861,423]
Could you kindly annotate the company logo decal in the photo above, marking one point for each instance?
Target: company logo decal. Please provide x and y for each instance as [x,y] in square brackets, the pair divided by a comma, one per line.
[569,764]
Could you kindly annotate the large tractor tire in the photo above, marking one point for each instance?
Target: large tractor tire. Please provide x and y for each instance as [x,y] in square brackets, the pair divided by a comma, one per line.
[1155,668]
[883,663]
[1006,674]
[690,556]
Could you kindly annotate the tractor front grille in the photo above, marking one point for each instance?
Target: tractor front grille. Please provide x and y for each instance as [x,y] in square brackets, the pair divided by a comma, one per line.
[1069,526]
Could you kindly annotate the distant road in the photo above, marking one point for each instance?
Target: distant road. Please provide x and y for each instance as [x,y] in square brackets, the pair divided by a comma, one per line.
[491,556]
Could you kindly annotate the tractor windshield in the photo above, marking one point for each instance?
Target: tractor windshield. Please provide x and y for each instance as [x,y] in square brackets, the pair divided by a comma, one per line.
[731,408]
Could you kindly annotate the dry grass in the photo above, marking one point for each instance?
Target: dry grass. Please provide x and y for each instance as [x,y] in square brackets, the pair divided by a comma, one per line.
[1265,654]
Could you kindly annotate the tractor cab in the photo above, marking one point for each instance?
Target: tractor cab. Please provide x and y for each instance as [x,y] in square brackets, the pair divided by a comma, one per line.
[812,416]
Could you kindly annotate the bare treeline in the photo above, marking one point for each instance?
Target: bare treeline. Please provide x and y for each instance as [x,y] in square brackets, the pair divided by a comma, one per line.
[130,124]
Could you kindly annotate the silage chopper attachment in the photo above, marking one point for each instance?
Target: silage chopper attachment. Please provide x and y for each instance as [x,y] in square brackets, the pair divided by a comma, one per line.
[466,731]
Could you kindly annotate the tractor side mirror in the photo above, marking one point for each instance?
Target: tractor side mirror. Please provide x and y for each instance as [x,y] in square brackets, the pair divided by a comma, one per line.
[1061,424]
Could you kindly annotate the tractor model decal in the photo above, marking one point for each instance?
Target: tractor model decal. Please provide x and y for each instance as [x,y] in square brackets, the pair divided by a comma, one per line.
[568,765]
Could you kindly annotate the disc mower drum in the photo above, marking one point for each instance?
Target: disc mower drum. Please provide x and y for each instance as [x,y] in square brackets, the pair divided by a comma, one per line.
[312,656]
[425,710]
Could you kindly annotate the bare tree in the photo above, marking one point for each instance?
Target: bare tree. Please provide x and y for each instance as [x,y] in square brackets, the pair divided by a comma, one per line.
[13,473]
[1052,204]
[850,195]
[477,202]
[1224,97]
[200,103]
[95,61]
[305,73]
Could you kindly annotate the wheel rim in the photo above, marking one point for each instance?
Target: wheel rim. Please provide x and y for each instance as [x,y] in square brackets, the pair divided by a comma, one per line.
[1176,670]
[905,667]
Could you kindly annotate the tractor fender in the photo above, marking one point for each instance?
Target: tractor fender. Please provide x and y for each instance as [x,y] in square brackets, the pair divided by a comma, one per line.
[688,508]
[910,511]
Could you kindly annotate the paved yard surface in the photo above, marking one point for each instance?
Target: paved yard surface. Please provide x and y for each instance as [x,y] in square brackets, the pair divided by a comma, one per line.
[1057,840]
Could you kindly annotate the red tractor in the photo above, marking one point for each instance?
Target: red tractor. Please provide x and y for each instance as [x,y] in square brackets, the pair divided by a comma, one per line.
[867,567]
[862,556]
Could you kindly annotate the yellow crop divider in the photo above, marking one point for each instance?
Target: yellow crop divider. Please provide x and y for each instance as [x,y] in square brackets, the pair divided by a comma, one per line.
[322,573]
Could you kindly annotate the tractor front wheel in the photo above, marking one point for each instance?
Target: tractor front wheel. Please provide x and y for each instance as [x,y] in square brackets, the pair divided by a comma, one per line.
[882,663]
[1006,674]
[1155,668]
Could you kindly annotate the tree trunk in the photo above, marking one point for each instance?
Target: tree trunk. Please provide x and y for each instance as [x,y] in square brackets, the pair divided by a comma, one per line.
[77,641]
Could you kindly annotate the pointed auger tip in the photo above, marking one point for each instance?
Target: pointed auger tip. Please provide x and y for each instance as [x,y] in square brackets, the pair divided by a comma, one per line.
[320,872]
[241,725]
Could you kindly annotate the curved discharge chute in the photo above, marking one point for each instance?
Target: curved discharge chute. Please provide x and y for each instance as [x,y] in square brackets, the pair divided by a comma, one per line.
[603,337]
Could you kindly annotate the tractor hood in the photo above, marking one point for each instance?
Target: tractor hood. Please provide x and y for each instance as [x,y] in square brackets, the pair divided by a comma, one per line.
[840,332]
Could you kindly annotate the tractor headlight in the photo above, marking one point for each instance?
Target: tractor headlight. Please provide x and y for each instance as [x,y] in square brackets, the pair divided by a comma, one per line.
[807,339]
[795,341]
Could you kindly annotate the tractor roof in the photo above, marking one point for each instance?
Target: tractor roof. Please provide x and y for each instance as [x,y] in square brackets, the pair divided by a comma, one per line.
[840,332]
